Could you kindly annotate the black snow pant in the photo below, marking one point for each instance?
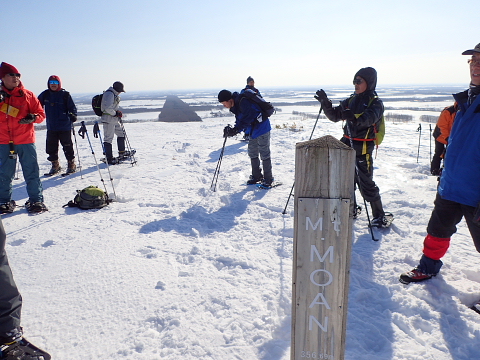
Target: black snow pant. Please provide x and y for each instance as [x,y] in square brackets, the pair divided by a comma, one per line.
[10,298]
[443,224]
[65,138]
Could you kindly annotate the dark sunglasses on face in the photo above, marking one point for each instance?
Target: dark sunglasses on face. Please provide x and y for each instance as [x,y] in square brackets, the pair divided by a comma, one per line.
[13,74]
[54,82]
[357,81]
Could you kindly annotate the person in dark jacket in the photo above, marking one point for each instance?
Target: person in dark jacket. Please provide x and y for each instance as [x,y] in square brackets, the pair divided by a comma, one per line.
[248,118]
[362,113]
[61,113]
[458,193]
[251,86]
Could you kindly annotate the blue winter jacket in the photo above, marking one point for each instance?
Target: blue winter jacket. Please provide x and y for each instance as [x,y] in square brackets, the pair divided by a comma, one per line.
[460,181]
[246,115]
[58,105]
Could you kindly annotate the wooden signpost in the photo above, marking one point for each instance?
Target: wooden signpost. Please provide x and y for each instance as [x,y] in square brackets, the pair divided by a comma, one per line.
[324,188]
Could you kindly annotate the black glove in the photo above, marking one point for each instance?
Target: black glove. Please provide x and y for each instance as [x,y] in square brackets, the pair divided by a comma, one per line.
[3,95]
[321,96]
[229,131]
[30,118]
[96,130]
[73,118]
[118,114]
[348,115]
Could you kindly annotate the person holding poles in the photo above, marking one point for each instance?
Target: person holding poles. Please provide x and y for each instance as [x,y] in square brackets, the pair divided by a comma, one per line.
[362,113]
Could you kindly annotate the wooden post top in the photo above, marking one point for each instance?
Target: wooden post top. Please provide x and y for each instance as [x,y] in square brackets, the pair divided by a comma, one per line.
[327,141]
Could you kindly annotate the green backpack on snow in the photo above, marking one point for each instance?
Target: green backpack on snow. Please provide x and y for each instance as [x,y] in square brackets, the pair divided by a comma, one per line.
[91,197]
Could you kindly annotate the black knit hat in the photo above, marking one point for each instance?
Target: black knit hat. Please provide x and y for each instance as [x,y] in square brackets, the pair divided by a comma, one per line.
[368,74]
[249,79]
[118,86]
[224,95]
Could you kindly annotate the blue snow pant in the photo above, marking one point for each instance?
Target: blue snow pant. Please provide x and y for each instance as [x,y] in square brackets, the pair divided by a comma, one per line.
[27,154]
[10,298]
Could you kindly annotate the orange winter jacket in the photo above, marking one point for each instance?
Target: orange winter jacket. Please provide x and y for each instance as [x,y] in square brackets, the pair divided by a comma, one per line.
[17,104]
[445,123]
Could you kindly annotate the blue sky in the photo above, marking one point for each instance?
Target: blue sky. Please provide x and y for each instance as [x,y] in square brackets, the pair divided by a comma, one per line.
[188,44]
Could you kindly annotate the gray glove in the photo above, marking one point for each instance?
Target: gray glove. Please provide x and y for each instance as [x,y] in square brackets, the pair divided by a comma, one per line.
[30,118]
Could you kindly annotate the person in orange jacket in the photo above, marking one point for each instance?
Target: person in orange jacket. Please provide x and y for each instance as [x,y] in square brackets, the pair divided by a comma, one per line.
[19,109]
[441,134]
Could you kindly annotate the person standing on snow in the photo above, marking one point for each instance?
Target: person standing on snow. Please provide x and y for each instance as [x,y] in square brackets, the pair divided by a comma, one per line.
[12,343]
[110,120]
[19,109]
[362,112]
[61,113]
[458,193]
[248,118]
[251,86]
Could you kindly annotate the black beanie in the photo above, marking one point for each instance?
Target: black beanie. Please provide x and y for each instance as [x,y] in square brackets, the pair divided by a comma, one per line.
[368,74]
[224,95]
[118,86]
[249,79]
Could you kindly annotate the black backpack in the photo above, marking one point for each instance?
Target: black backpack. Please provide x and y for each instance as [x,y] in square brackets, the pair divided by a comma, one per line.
[91,197]
[266,107]
[97,104]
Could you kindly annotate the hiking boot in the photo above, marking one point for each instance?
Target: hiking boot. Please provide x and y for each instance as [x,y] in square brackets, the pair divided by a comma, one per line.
[71,166]
[252,181]
[55,169]
[357,210]
[415,275]
[36,207]
[113,161]
[8,207]
[267,182]
[383,221]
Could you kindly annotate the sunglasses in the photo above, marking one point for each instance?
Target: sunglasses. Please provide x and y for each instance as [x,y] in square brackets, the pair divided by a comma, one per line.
[13,74]
[357,81]
[54,82]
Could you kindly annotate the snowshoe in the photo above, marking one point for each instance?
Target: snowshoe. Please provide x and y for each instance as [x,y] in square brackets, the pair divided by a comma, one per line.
[476,307]
[252,181]
[22,350]
[415,275]
[8,207]
[384,221]
[268,184]
[36,207]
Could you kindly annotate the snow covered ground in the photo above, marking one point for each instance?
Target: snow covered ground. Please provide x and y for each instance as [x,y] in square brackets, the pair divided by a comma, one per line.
[175,271]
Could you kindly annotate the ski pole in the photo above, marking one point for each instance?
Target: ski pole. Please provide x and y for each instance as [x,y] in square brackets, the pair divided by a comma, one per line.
[18,168]
[419,129]
[130,150]
[78,155]
[357,173]
[82,132]
[293,186]
[217,170]
[96,133]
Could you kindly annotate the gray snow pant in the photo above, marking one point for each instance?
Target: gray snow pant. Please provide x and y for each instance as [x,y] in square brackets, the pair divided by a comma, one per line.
[10,298]
[260,146]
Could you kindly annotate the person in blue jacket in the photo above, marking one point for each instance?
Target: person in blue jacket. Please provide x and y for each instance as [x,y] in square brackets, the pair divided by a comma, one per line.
[458,194]
[61,113]
[248,118]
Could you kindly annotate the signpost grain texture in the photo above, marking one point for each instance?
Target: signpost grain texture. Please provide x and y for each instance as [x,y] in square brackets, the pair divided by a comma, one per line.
[324,175]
